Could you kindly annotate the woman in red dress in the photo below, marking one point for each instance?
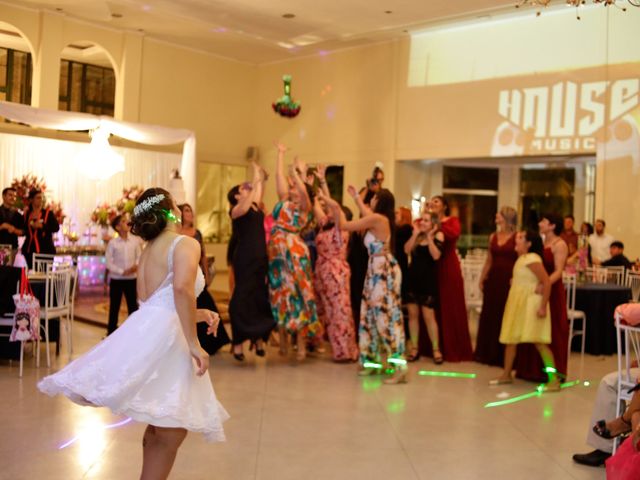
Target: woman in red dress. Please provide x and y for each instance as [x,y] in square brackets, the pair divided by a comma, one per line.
[452,310]
[495,281]
[528,364]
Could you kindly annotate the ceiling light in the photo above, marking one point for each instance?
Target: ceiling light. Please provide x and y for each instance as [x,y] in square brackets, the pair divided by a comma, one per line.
[289,15]
[116,15]
[99,161]
[388,11]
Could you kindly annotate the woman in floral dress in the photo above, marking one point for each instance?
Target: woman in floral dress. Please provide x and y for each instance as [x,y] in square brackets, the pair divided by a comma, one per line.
[331,281]
[291,294]
[381,315]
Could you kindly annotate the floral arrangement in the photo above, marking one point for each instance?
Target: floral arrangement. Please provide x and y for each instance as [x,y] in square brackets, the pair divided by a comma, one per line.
[30,182]
[128,200]
[104,214]
[285,106]
[24,185]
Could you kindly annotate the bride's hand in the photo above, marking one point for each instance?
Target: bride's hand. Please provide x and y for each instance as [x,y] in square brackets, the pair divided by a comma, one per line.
[211,318]
[202,359]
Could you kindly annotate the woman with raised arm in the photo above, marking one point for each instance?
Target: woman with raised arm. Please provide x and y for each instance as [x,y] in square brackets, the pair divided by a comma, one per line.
[249,308]
[425,249]
[293,302]
[332,277]
[452,311]
[153,369]
[381,316]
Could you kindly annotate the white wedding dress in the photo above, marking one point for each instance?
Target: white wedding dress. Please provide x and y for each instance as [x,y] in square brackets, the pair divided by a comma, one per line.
[144,370]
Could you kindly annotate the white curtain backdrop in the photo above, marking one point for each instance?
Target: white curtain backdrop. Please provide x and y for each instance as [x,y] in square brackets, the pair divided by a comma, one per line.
[135,132]
[54,161]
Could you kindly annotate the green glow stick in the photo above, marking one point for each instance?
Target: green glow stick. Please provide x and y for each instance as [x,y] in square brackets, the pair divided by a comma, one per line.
[431,373]
[371,365]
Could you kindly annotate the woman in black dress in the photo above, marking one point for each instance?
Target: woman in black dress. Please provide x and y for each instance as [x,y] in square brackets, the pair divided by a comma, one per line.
[210,343]
[40,225]
[249,309]
[425,248]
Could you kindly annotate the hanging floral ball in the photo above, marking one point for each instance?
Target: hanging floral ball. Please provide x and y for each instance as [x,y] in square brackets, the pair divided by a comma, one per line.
[285,106]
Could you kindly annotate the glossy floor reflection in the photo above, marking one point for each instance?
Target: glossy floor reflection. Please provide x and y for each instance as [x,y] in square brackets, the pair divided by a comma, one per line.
[315,420]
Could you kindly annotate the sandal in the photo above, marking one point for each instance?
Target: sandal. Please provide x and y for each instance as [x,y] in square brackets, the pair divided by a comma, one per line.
[413,356]
[601,429]
[438,359]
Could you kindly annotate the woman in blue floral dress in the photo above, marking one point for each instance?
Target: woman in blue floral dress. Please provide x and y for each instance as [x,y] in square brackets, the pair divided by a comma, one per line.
[381,325]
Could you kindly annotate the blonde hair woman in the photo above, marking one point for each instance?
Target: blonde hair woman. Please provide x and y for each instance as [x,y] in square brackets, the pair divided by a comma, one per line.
[494,283]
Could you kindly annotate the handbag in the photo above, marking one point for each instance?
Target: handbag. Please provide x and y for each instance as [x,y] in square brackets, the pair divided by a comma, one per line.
[26,319]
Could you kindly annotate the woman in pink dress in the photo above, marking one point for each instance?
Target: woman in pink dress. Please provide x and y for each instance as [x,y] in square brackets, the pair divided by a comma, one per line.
[332,280]
[528,364]
[452,310]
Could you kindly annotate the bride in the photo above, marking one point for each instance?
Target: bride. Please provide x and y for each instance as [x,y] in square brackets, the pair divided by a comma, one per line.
[152,369]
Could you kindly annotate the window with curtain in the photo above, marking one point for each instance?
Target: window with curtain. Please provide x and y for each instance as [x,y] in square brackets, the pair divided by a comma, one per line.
[212,208]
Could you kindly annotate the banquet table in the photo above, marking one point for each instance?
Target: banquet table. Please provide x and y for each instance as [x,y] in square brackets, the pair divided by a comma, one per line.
[599,301]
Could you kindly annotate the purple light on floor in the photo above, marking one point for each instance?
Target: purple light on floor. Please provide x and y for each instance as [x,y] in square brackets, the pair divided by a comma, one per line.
[323,53]
[105,427]
[219,30]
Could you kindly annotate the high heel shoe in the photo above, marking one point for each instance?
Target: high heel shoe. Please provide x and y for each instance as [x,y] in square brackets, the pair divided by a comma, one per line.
[238,356]
[259,351]
[438,359]
[601,429]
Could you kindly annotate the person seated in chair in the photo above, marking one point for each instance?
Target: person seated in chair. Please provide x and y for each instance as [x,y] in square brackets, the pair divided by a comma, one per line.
[604,407]
[617,256]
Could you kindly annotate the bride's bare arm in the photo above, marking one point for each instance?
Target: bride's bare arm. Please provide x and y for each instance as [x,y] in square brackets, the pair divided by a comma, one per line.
[186,259]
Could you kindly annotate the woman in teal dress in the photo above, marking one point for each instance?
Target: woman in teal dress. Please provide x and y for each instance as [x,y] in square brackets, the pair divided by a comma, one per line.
[293,303]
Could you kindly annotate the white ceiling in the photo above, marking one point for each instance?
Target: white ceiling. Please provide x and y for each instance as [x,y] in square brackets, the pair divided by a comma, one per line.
[254,31]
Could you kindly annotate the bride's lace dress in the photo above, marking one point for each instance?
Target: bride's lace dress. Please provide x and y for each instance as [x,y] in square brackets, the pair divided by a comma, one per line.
[144,370]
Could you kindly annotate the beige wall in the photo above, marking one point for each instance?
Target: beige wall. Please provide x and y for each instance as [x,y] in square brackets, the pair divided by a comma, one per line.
[357,108]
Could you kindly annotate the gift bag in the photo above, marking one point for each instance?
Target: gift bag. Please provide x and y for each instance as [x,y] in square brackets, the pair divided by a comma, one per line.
[26,319]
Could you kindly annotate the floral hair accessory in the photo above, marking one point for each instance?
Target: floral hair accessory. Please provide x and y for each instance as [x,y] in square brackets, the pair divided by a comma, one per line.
[147,203]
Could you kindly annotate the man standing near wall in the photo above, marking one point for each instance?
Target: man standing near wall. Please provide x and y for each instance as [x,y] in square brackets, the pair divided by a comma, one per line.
[600,243]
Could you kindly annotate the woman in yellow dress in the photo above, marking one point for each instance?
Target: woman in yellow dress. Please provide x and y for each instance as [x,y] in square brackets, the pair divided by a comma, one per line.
[526,315]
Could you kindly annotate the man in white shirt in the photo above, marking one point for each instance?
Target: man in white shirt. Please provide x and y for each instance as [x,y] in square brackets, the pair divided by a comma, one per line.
[123,254]
[600,243]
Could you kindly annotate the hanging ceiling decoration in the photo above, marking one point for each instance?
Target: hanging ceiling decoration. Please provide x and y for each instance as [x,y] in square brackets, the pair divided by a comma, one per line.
[577,4]
[98,161]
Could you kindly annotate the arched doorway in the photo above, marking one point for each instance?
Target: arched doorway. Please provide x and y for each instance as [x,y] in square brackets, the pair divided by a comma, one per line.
[87,79]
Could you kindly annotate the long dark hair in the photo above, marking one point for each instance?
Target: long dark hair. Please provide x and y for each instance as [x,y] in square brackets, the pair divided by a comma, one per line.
[445,204]
[386,205]
[536,242]
[231,196]
[555,220]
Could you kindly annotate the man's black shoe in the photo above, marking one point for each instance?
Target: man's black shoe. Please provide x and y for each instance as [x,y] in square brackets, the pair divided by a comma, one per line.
[591,459]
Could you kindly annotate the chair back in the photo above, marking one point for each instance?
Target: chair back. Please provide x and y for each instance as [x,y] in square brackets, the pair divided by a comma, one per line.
[596,274]
[471,271]
[628,339]
[633,282]
[40,261]
[569,282]
[616,275]
[57,287]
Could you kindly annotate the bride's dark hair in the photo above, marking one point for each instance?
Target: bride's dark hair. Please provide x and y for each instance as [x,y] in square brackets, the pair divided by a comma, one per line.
[150,222]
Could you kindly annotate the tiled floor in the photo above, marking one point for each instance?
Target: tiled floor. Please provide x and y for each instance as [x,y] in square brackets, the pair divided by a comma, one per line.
[316,420]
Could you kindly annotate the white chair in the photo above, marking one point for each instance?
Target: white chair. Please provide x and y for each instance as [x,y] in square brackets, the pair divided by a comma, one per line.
[616,275]
[56,304]
[632,281]
[72,304]
[40,261]
[471,271]
[596,274]
[628,339]
[569,281]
